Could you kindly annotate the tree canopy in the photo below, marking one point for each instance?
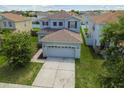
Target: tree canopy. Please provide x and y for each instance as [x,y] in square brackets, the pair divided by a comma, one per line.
[17,48]
[114,51]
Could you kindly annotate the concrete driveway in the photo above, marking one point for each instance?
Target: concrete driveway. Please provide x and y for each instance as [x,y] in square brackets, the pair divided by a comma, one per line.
[56,73]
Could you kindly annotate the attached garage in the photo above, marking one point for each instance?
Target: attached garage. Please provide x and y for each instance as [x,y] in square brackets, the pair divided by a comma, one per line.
[63,43]
[60,51]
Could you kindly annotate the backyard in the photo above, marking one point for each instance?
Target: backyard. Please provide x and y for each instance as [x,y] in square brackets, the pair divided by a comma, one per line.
[88,68]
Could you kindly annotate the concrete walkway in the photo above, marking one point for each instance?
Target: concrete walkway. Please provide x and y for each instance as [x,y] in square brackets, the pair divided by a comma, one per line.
[35,57]
[8,85]
[56,73]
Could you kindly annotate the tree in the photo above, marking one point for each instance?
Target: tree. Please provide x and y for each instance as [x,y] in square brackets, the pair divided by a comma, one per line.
[114,52]
[74,11]
[17,48]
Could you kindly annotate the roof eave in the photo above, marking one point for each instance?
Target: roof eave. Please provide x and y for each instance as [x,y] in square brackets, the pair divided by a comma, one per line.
[43,41]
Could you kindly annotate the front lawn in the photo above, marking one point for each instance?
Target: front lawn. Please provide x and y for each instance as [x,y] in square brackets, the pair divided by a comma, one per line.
[24,75]
[34,41]
[88,69]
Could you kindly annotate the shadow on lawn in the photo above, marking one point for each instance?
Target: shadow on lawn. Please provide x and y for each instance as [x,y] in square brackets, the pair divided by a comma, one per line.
[94,55]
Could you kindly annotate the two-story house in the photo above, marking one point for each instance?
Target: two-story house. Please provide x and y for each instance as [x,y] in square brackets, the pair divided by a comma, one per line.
[59,20]
[15,22]
[96,24]
[60,35]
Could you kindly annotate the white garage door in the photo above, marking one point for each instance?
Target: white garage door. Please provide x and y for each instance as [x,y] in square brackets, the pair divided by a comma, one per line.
[60,52]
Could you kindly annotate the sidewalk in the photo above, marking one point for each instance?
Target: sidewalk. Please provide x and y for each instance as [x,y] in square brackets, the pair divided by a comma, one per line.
[8,85]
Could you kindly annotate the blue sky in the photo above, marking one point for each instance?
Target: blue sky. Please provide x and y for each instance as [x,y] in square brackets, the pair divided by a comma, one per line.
[60,7]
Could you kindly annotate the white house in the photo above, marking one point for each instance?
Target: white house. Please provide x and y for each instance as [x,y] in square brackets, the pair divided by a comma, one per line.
[62,43]
[96,24]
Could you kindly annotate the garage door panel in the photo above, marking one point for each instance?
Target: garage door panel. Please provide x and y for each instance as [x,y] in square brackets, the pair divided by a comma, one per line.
[60,52]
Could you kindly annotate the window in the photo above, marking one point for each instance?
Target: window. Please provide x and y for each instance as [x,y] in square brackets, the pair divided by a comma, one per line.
[60,23]
[72,24]
[69,24]
[93,27]
[75,24]
[10,24]
[54,23]
[45,23]
[4,23]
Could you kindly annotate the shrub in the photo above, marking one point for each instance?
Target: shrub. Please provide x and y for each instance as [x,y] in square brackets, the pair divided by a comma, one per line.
[17,49]
[34,31]
[6,31]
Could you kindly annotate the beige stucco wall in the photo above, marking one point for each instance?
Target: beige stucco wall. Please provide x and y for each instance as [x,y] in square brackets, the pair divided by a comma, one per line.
[23,26]
[17,26]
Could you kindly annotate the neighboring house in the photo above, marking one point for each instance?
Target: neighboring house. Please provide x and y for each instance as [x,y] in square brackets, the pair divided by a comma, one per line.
[15,22]
[96,24]
[87,24]
[35,22]
[42,14]
[62,43]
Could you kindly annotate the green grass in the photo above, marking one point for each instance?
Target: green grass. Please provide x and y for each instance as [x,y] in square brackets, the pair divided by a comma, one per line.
[34,44]
[23,76]
[88,68]
[36,29]
[2,59]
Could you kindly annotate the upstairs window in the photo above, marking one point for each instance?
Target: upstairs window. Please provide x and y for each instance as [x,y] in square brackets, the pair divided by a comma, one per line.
[45,23]
[54,23]
[10,24]
[72,24]
[4,23]
[75,24]
[60,23]
[93,27]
